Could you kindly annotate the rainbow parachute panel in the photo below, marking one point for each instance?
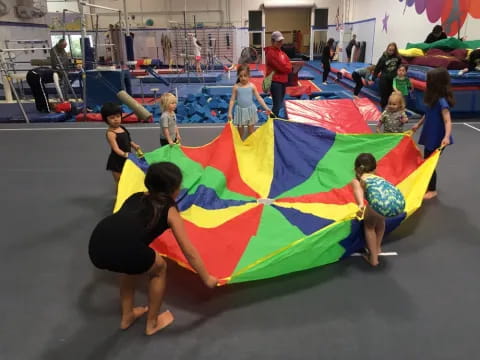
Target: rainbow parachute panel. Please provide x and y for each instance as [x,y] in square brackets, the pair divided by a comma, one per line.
[280,201]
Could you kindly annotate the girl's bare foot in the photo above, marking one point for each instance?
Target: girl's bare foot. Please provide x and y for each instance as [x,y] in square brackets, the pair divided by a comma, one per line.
[368,259]
[129,319]
[161,322]
[430,195]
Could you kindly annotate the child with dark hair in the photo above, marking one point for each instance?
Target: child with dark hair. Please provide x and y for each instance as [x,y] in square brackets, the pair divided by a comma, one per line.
[387,66]
[350,46]
[118,138]
[437,132]
[120,243]
[436,34]
[473,62]
[384,200]
[327,56]
[401,83]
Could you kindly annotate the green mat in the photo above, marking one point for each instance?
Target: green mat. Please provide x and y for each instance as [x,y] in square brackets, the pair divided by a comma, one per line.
[446,44]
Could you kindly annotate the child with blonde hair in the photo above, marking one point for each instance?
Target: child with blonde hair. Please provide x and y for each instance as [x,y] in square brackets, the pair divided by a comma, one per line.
[169,133]
[245,110]
[394,115]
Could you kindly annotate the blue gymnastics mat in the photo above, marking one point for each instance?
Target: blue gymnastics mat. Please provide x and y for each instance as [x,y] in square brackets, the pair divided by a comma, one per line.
[185,78]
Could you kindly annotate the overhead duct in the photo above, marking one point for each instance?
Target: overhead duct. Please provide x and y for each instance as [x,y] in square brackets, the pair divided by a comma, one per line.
[288,3]
[31,9]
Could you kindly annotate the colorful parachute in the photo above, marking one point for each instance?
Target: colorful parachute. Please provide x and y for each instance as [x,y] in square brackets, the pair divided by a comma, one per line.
[280,201]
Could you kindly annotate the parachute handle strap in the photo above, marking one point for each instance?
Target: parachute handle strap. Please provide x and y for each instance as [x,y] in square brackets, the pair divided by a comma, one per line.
[362,213]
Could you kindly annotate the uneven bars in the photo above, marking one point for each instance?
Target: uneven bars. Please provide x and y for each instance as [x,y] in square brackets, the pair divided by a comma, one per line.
[84,3]
[23,49]
[27,41]
[77,12]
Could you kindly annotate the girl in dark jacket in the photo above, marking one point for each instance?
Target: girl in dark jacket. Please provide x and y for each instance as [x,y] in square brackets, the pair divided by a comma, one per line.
[327,56]
[387,65]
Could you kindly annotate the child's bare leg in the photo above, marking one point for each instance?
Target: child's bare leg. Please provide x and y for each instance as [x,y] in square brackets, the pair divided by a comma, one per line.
[127,295]
[369,224]
[116,176]
[241,131]
[250,129]
[380,232]
[156,290]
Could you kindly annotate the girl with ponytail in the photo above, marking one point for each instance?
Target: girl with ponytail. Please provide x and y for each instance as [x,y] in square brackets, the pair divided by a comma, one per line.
[120,243]
[383,200]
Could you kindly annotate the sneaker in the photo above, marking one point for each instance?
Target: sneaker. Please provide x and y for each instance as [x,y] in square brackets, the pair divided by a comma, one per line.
[325,83]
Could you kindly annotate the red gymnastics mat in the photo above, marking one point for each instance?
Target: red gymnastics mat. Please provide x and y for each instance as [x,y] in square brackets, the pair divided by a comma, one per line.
[344,116]
[304,87]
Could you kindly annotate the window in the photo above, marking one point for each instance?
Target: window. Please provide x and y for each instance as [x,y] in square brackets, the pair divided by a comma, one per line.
[254,21]
[74,48]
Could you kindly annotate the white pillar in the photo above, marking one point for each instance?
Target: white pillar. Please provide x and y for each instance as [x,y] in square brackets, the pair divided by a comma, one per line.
[7,90]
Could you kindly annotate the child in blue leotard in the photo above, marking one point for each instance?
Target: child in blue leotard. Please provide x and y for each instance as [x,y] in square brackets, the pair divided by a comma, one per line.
[245,113]
[384,200]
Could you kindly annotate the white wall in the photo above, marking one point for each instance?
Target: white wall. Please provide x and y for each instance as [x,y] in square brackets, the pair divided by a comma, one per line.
[11,16]
[59,6]
[208,12]
[15,28]
[402,27]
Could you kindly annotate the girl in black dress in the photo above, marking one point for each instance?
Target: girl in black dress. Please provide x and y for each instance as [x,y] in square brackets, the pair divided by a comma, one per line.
[118,138]
[120,243]
[327,56]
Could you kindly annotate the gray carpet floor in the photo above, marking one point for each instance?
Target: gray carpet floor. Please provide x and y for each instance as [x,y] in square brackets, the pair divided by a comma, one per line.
[421,304]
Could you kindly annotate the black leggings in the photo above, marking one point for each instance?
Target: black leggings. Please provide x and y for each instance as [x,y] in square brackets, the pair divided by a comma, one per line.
[39,91]
[326,70]
[278,94]
[358,83]
[386,89]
